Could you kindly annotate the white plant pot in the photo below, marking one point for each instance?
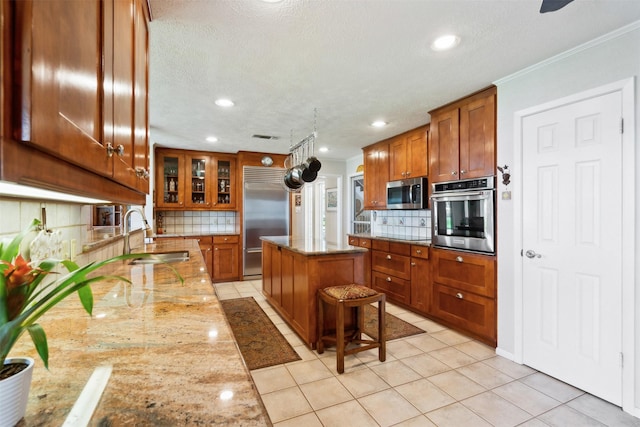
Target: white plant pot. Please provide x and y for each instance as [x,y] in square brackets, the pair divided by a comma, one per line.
[14,393]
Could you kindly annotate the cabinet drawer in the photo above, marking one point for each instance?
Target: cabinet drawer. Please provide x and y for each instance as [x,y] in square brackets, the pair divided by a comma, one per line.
[225,239]
[393,247]
[472,312]
[396,289]
[380,245]
[420,251]
[354,241]
[391,264]
[364,243]
[204,242]
[465,271]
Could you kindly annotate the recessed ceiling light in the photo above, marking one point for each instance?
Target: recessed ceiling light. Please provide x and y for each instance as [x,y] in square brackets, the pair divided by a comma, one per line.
[323,149]
[224,102]
[445,42]
[211,139]
[379,124]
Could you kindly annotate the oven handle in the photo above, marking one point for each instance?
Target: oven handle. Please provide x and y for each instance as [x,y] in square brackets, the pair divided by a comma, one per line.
[454,195]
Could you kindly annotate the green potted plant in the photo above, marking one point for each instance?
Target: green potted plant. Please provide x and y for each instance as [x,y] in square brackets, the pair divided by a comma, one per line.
[26,293]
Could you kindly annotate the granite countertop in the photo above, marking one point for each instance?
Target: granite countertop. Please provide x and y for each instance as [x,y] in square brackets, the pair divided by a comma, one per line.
[312,246]
[392,238]
[173,356]
[217,233]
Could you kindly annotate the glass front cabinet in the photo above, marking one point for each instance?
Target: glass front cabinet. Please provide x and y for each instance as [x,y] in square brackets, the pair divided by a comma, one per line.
[194,180]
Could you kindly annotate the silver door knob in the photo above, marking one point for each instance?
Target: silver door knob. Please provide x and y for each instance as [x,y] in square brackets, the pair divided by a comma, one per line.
[532,254]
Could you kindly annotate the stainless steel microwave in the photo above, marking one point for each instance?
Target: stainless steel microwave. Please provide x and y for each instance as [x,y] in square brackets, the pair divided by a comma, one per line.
[407,194]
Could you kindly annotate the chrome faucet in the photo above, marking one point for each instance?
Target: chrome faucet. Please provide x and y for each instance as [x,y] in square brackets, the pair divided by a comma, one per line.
[147,229]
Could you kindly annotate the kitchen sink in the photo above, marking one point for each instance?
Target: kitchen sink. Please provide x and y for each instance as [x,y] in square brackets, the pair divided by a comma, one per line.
[162,257]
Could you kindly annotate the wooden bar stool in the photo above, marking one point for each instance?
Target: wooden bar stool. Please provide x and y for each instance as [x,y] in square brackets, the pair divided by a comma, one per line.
[351,296]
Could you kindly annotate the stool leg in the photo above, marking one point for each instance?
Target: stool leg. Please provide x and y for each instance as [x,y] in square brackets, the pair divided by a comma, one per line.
[320,320]
[340,336]
[382,336]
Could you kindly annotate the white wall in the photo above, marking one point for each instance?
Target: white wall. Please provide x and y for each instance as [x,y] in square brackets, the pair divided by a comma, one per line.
[609,59]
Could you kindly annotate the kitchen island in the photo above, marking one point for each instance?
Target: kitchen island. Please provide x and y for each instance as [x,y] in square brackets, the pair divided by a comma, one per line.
[294,269]
[173,357]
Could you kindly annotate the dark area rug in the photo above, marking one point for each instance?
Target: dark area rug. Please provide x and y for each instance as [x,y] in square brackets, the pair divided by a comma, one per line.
[260,342]
[396,327]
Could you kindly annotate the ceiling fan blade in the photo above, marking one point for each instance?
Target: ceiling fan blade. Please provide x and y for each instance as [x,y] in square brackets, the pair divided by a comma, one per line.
[553,5]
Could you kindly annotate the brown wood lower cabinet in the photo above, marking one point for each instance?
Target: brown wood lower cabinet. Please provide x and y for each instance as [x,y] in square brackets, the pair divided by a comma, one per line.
[290,281]
[226,250]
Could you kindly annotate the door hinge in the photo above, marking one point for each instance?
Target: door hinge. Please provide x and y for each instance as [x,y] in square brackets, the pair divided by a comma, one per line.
[621,125]
[621,360]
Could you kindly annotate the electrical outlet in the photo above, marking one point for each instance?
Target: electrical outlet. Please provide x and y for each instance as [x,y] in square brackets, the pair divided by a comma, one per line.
[72,250]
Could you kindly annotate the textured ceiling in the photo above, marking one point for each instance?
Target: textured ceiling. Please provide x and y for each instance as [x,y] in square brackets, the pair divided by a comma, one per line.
[355,61]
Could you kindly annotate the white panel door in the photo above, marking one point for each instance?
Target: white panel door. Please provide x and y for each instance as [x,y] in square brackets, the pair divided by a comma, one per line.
[572,240]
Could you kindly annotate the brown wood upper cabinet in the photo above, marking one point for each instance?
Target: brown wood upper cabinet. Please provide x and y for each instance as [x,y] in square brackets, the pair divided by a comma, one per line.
[462,138]
[81,84]
[376,175]
[408,154]
[195,180]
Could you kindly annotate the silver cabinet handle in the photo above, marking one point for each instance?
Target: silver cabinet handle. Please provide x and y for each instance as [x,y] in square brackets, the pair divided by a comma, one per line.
[532,254]
[453,173]
[413,264]
[459,259]
[418,251]
[215,249]
[388,256]
[462,172]
[459,296]
[388,279]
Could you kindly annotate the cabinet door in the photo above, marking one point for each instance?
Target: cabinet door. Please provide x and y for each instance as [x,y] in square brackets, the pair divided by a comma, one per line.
[205,243]
[169,179]
[61,97]
[376,161]
[477,138]
[421,284]
[225,191]
[396,289]
[417,161]
[391,264]
[444,146]
[198,181]
[225,258]
[398,159]
[141,97]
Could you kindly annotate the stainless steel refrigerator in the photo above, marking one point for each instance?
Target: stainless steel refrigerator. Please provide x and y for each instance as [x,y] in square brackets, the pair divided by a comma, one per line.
[265,212]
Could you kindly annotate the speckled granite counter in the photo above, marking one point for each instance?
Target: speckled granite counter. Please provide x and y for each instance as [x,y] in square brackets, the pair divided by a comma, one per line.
[311,246]
[175,361]
[392,238]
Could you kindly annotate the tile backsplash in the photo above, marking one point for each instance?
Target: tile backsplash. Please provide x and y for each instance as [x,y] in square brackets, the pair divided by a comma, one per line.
[175,222]
[403,223]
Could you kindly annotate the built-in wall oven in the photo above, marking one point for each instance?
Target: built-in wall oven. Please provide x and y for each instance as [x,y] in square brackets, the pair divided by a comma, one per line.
[462,214]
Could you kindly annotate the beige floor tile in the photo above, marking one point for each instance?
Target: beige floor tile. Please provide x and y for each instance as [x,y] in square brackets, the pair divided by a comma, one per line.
[456,415]
[325,393]
[388,407]
[370,357]
[563,416]
[346,414]
[305,353]
[484,375]
[419,421]
[476,350]
[401,349]
[496,410]
[395,373]
[307,420]
[426,342]
[425,365]
[533,422]
[513,369]
[307,371]
[351,361]
[284,404]
[602,411]
[271,379]
[452,357]
[450,337]
[424,395]
[410,317]
[527,398]
[456,385]
[552,387]
[429,326]
[362,382]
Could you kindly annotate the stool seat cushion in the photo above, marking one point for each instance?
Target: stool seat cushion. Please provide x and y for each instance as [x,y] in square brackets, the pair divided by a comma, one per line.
[349,292]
